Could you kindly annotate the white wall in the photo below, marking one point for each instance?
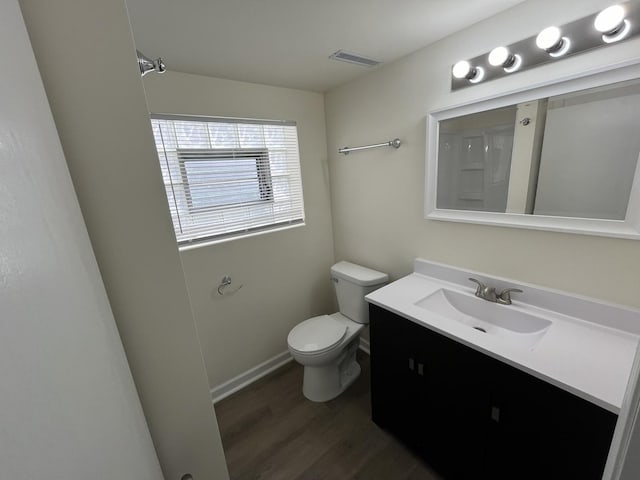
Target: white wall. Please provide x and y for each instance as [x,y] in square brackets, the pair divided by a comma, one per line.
[286,273]
[68,405]
[377,196]
[87,59]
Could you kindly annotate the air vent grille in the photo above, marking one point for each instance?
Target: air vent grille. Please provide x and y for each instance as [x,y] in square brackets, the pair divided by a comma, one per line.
[354,58]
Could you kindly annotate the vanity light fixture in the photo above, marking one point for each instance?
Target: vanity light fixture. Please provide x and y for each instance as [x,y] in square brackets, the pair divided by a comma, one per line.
[551,41]
[616,23]
[612,24]
[619,22]
[501,57]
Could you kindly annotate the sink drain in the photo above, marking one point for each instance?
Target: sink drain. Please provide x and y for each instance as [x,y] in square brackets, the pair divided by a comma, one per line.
[480,329]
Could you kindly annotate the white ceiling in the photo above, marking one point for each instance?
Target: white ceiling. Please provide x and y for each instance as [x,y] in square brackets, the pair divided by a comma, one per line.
[287,42]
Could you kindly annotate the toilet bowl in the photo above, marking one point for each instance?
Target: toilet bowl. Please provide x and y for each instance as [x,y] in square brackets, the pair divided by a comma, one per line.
[326,345]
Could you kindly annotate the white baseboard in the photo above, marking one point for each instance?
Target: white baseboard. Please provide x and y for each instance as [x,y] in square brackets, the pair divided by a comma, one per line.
[365,346]
[256,373]
[239,382]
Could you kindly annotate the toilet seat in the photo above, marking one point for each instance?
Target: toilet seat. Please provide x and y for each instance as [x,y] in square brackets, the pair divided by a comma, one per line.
[316,335]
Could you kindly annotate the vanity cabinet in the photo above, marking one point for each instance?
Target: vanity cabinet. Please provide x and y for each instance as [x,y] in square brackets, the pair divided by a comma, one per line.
[471,416]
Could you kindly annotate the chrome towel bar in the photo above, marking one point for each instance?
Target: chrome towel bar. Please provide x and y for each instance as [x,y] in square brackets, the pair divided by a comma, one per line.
[395,143]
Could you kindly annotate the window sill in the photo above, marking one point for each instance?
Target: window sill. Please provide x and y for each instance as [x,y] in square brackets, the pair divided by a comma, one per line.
[207,243]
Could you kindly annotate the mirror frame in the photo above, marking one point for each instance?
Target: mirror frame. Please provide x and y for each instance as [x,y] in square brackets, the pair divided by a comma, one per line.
[627,228]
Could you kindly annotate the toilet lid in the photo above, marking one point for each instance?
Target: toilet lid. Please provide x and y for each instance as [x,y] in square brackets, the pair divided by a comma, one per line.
[316,334]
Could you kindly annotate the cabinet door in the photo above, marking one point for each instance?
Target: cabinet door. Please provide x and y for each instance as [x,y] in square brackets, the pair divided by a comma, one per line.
[456,406]
[542,431]
[394,386]
[431,392]
[516,442]
[577,435]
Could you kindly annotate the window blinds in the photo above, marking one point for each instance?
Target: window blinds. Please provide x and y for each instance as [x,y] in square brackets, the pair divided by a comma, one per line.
[228,177]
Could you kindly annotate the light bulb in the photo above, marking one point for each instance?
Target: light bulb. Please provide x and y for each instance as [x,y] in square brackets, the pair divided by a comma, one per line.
[612,24]
[549,38]
[499,56]
[461,69]
[618,34]
[610,19]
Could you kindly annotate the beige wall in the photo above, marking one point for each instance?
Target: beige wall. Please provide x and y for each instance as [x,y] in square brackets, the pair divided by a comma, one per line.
[87,59]
[377,197]
[69,405]
[286,273]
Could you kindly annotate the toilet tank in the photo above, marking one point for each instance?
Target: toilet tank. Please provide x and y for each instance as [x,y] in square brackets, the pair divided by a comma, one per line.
[352,282]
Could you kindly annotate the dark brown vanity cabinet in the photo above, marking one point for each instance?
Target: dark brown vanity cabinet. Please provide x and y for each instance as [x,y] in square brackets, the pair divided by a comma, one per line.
[471,416]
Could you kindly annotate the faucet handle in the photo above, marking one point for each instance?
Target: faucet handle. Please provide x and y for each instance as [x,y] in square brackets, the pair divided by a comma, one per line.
[480,288]
[504,297]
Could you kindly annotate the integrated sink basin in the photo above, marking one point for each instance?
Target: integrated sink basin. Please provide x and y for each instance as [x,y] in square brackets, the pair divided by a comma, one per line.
[584,346]
[509,322]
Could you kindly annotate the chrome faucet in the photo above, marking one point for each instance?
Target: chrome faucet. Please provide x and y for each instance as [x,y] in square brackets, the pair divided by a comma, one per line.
[484,292]
[489,293]
[504,297]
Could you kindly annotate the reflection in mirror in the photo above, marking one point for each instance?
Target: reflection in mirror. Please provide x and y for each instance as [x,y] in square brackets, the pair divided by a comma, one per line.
[590,153]
[571,155]
[475,160]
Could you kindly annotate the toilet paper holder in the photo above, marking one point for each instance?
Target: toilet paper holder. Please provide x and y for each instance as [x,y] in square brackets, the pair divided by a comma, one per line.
[226,282]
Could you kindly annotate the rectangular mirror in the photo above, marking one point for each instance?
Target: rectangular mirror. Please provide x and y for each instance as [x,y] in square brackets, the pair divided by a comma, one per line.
[562,156]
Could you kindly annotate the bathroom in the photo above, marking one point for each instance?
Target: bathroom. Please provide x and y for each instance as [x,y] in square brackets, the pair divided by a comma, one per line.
[367,208]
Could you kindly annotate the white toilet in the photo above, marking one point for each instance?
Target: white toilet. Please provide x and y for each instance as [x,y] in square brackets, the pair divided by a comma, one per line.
[326,345]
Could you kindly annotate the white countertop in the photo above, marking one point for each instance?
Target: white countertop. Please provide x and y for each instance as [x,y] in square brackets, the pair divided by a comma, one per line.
[587,357]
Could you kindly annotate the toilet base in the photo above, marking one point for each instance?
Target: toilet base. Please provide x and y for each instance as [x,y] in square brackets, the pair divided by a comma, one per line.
[324,383]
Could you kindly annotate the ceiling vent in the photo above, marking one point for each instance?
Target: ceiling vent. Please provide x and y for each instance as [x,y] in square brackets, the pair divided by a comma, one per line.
[354,58]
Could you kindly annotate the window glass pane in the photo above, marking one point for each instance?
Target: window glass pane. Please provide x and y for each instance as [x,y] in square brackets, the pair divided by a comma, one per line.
[262,210]
[223,135]
[192,135]
[167,137]
[156,134]
[278,161]
[235,216]
[170,169]
[274,136]
[281,188]
[250,135]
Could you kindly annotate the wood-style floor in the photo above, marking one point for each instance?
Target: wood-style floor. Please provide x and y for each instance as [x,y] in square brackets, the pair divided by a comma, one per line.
[270,431]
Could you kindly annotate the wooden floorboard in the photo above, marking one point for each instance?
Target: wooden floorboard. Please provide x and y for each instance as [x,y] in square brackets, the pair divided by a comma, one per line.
[271,432]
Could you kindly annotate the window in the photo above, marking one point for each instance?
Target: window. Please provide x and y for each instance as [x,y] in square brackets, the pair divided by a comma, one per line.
[227,177]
